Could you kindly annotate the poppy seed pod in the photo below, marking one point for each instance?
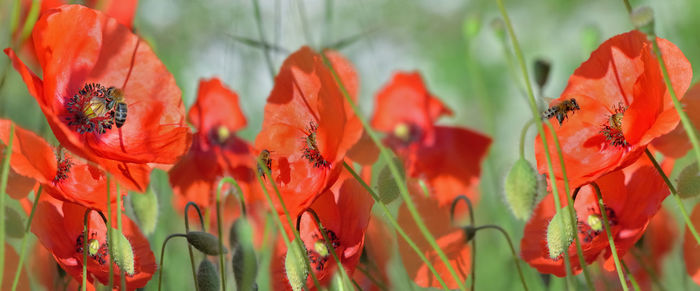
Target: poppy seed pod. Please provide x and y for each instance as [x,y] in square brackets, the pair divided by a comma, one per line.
[146,210]
[295,267]
[689,182]
[204,242]
[207,277]
[521,187]
[121,251]
[560,233]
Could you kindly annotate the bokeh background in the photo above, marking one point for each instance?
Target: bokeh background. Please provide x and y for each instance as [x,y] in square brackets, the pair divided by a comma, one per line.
[452,43]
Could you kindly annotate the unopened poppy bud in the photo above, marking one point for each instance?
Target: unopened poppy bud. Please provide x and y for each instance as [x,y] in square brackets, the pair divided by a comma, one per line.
[222,134]
[204,242]
[121,252]
[469,232]
[643,19]
[403,132]
[689,182]
[146,210]
[499,28]
[521,188]
[471,26]
[207,277]
[245,267]
[295,267]
[560,233]
[595,222]
[542,68]
[233,240]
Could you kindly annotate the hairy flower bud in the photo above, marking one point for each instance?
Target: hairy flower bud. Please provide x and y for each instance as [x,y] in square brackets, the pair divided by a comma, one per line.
[204,242]
[146,210]
[560,233]
[689,182]
[521,188]
[295,267]
[121,252]
[207,276]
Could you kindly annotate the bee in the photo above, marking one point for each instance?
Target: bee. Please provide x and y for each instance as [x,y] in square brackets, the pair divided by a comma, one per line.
[561,110]
[267,160]
[115,100]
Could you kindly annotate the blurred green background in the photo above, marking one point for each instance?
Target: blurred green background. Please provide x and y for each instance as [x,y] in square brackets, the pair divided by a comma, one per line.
[452,44]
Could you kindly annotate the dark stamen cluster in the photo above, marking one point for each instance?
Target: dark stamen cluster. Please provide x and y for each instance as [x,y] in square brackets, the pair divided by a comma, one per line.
[90,109]
[318,261]
[612,128]
[588,233]
[63,168]
[311,151]
[99,254]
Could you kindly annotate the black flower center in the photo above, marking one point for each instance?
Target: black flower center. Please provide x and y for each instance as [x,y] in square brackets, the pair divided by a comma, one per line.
[593,224]
[319,254]
[92,109]
[96,250]
[310,149]
[612,128]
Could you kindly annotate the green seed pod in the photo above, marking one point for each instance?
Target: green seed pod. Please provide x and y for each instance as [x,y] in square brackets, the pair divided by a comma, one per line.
[207,276]
[244,261]
[295,266]
[643,19]
[204,242]
[146,210]
[121,251]
[689,182]
[560,233]
[542,68]
[521,188]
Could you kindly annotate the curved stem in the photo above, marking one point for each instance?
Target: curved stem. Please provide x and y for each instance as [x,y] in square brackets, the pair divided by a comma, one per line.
[162,255]
[400,181]
[512,250]
[471,223]
[327,241]
[3,187]
[523,134]
[189,246]
[396,225]
[635,285]
[23,250]
[679,202]
[538,120]
[287,241]
[611,241]
[222,265]
[570,201]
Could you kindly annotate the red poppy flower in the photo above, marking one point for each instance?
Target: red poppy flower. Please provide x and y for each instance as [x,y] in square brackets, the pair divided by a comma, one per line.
[64,177]
[308,126]
[216,152]
[448,158]
[624,105]
[451,239]
[691,249]
[59,227]
[676,144]
[379,246]
[49,274]
[344,211]
[89,62]
[10,269]
[632,197]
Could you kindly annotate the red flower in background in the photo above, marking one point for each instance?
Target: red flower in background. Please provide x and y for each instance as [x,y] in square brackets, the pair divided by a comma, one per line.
[691,249]
[632,197]
[83,55]
[675,144]
[50,274]
[448,158]
[216,152]
[308,126]
[65,178]
[344,211]
[379,247]
[624,105]
[59,227]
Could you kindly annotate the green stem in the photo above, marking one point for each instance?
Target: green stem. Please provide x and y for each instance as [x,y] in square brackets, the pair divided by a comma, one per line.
[109,233]
[189,246]
[652,274]
[570,200]
[162,256]
[401,183]
[512,250]
[635,285]
[287,241]
[86,229]
[327,241]
[538,120]
[122,275]
[679,202]
[628,6]
[611,241]
[471,223]
[369,276]
[219,229]
[32,16]
[396,225]
[23,250]
[261,33]
[523,134]
[3,187]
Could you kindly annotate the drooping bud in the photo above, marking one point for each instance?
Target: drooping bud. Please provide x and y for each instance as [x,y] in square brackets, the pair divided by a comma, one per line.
[521,188]
[244,261]
[542,68]
[469,233]
[560,233]
[643,19]
[689,182]
[207,276]
[204,242]
[121,251]
[146,210]
[295,267]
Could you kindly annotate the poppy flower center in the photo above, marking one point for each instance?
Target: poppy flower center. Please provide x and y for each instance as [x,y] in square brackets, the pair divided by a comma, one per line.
[95,249]
[319,255]
[612,128]
[593,225]
[311,151]
[62,169]
[95,108]
[406,133]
